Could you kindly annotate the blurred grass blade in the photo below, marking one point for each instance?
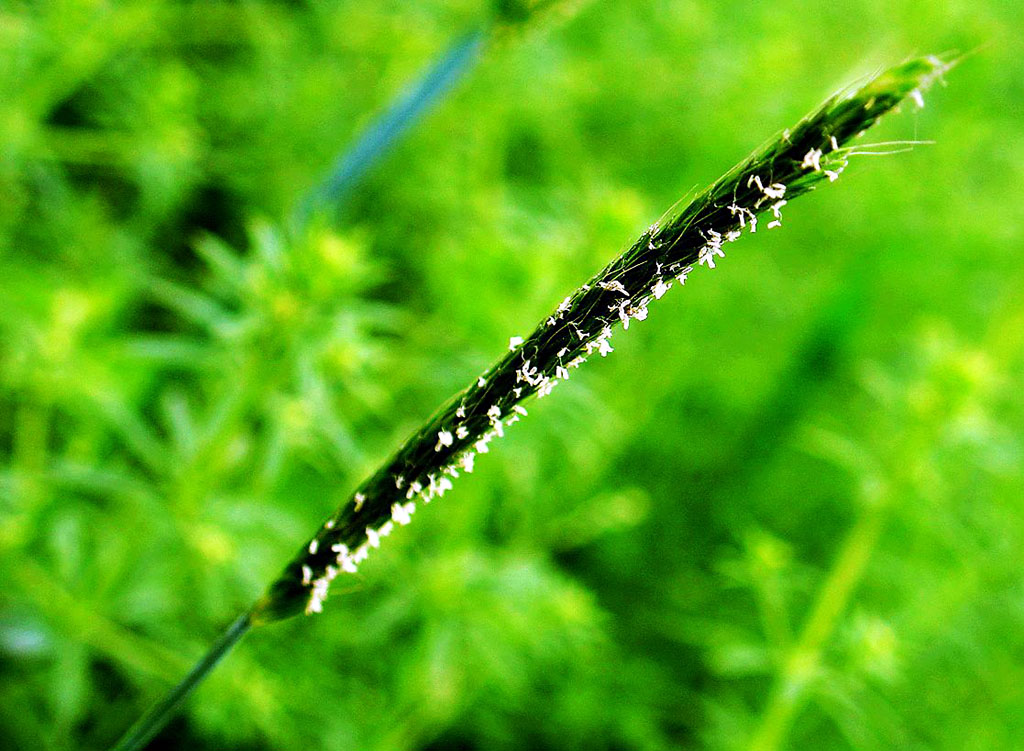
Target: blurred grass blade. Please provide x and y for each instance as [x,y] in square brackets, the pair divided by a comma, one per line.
[403,113]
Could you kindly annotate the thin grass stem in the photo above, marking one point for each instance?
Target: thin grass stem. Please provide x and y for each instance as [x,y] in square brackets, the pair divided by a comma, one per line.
[153,721]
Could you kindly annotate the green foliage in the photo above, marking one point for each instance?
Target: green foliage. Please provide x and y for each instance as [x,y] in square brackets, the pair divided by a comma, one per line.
[784,514]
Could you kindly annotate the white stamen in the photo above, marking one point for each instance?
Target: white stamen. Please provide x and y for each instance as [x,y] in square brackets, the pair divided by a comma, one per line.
[614,286]
[812,160]
[373,537]
[712,248]
[744,214]
[402,513]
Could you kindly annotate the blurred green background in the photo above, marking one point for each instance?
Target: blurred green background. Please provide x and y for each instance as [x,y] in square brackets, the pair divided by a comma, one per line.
[786,513]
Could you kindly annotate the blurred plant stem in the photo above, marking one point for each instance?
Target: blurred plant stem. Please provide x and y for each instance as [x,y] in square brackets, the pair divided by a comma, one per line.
[414,103]
[81,620]
[885,480]
[384,132]
[30,455]
[800,666]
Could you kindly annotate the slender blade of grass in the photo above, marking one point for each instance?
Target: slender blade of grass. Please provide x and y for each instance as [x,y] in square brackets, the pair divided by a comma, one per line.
[383,132]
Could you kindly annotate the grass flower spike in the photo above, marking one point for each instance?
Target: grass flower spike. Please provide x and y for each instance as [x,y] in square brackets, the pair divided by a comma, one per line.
[749,197]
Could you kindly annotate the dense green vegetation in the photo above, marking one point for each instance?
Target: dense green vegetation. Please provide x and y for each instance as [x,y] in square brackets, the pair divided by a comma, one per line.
[785,513]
